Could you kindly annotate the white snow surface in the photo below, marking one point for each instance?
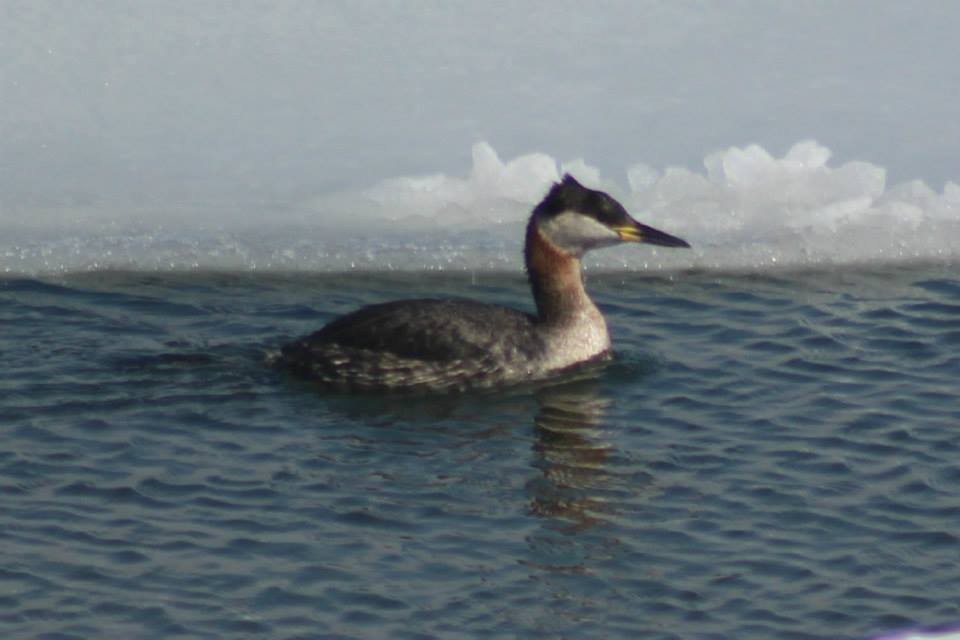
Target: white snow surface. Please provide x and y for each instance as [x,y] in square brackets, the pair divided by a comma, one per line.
[335,135]
[746,209]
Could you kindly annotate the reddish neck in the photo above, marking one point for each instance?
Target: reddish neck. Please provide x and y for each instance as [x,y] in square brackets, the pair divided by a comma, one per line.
[555,279]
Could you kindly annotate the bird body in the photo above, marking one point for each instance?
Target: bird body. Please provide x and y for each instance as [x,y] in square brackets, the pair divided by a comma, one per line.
[449,345]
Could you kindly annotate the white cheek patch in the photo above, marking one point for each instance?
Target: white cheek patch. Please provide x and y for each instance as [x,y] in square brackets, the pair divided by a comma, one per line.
[577,233]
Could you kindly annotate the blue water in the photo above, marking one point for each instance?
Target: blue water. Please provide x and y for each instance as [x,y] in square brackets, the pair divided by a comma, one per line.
[769,456]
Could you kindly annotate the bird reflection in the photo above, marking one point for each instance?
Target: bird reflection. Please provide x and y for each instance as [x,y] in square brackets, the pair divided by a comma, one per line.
[571,454]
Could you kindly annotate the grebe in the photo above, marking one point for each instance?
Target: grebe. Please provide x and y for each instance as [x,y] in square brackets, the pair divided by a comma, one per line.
[450,345]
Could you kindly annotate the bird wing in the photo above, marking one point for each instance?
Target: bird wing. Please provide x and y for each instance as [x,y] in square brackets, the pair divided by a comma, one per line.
[432,330]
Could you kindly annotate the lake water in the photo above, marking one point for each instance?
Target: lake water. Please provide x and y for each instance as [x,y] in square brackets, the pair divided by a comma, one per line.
[768,456]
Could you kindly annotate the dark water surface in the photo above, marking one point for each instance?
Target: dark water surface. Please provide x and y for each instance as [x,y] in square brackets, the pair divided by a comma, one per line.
[769,456]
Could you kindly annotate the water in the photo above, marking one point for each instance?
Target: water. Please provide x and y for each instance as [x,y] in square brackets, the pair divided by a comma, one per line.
[770,455]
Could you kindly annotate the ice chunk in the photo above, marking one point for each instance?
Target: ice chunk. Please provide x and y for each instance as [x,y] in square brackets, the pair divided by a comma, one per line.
[584,173]
[641,177]
[524,178]
[808,154]
[951,193]
[745,167]
[749,209]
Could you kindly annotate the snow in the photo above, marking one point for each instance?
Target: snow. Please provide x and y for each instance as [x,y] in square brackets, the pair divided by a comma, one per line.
[336,135]
[746,210]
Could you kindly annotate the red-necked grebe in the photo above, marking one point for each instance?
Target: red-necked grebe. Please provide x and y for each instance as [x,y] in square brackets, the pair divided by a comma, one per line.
[447,345]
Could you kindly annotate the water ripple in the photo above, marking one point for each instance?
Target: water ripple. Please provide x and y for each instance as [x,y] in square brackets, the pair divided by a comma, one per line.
[766,457]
